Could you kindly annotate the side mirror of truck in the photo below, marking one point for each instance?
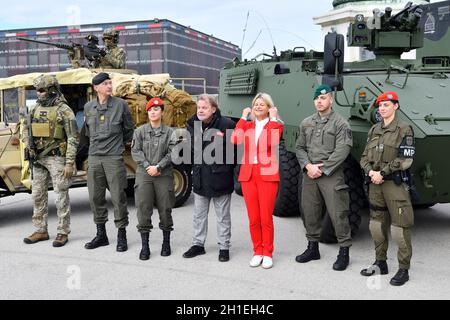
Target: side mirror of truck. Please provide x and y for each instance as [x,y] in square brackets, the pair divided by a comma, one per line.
[333,62]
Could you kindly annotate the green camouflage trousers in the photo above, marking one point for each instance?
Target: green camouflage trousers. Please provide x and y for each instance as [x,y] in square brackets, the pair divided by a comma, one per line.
[46,170]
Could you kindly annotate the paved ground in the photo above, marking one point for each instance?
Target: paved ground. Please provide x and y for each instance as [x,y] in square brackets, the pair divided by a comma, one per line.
[40,271]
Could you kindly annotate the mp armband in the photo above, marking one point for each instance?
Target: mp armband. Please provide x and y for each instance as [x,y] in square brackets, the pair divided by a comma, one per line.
[406,148]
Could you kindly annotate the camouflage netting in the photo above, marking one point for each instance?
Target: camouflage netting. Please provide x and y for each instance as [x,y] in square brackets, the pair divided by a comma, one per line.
[178,104]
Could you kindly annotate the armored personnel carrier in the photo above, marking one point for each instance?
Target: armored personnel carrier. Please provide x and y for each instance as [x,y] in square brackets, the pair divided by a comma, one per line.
[423,86]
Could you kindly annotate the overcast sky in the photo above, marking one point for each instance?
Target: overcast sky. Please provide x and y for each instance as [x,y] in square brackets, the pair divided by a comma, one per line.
[288,22]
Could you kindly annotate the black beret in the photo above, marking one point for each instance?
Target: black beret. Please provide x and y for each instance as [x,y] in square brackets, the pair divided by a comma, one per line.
[102,76]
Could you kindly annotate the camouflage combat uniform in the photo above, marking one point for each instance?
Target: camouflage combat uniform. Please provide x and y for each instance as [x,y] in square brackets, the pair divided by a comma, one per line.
[390,150]
[115,57]
[55,135]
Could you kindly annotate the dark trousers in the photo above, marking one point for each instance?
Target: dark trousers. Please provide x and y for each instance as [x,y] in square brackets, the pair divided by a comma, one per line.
[149,189]
[108,172]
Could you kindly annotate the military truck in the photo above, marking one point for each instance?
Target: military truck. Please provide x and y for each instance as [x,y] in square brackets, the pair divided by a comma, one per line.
[17,92]
[422,84]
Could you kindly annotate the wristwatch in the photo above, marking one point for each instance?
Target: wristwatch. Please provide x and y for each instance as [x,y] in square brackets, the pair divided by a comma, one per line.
[382,173]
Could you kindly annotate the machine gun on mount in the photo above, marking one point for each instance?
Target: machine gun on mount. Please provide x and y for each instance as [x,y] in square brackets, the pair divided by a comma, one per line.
[80,55]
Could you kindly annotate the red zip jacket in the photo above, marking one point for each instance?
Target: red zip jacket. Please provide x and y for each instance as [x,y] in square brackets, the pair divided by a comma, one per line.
[266,150]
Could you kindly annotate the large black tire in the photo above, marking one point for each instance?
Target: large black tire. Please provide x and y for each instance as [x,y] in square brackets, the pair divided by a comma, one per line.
[354,178]
[423,205]
[237,184]
[287,203]
[182,175]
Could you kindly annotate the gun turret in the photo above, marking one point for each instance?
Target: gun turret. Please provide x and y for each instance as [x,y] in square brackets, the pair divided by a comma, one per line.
[78,53]
[385,34]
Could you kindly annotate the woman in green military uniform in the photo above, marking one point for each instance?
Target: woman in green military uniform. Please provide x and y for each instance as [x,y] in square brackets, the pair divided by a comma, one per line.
[387,157]
[151,150]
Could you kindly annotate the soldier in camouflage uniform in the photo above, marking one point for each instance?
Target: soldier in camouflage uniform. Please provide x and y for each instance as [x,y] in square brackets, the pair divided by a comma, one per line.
[55,136]
[386,159]
[323,144]
[115,57]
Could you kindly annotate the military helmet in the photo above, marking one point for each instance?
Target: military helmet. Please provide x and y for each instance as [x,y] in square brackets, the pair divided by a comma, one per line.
[92,38]
[111,34]
[46,82]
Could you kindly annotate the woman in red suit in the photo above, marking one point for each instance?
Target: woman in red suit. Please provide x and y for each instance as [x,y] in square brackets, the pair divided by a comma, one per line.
[259,172]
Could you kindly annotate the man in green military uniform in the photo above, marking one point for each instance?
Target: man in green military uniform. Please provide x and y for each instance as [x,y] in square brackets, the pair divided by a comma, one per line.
[51,148]
[151,150]
[109,126]
[323,144]
[115,57]
[386,158]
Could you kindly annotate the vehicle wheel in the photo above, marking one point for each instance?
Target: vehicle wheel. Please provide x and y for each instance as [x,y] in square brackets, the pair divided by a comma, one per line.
[183,184]
[355,180]
[237,184]
[287,204]
[423,205]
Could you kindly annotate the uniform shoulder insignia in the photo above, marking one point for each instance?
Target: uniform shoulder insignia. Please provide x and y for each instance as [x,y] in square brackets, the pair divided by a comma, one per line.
[349,133]
[409,140]
[406,148]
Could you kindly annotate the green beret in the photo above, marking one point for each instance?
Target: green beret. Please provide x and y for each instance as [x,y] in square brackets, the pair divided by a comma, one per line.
[322,89]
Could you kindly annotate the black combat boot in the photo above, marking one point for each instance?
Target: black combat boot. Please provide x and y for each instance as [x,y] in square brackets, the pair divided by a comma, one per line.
[165,249]
[122,240]
[145,251]
[311,253]
[378,267]
[194,251]
[400,277]
[101,239]
[342,259]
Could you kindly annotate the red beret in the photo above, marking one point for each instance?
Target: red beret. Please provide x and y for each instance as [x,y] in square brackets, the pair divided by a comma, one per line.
[387,96]
[154,102]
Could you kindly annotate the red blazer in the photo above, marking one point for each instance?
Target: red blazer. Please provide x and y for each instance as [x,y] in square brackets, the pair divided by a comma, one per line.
[266,149]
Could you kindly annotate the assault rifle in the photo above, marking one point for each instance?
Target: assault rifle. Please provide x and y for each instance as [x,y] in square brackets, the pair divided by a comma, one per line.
[78,52]
[30,150]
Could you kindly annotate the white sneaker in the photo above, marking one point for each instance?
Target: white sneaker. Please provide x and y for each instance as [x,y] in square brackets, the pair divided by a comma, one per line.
[256,261]
[267,262]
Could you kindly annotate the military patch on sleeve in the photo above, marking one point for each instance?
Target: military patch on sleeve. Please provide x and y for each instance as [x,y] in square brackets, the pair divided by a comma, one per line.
[407,149]
[409,140]
[73,127]
[378,117]
[349,134]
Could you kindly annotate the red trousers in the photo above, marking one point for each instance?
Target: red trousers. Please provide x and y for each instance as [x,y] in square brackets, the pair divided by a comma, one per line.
[260,196]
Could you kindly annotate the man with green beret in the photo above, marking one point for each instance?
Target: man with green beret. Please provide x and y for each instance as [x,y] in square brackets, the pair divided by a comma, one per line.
[323,144]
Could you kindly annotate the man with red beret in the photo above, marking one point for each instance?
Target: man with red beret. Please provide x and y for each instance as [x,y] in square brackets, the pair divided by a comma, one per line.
[151,150]
[386,159]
